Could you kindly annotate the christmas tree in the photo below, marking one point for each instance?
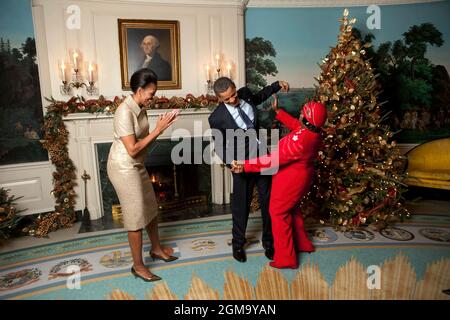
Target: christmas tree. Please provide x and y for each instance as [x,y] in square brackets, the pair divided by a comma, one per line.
[8,214]
[358,174]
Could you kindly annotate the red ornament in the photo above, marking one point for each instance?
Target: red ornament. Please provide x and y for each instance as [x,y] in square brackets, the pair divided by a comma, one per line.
[392,193]
[349,84]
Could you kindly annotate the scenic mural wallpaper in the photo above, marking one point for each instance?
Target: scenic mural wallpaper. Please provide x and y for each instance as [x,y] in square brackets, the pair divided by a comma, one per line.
[21,114]
[410,53]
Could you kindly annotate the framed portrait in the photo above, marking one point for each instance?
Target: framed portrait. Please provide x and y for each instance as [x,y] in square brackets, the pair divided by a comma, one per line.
[153,44]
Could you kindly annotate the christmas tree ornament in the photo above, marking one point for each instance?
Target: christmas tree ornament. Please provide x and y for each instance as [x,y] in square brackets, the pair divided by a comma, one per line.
[355,193]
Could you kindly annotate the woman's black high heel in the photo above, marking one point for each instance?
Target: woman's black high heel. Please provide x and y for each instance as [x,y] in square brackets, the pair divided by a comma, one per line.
[157,256]
[151,279]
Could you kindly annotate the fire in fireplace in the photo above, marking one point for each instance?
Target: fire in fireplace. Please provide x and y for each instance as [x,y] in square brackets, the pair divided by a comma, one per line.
[178,187]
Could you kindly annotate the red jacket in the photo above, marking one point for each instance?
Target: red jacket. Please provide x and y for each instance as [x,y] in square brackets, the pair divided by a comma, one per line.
[298,149]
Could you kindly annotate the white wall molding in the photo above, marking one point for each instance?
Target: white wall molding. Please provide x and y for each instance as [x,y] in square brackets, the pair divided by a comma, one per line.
[164,3]
[327,3]
[32,182]
[208,28]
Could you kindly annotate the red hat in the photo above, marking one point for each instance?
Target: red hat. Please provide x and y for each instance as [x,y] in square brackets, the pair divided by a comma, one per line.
[315,113]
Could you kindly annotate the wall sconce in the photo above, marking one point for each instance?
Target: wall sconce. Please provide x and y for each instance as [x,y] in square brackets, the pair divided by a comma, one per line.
[77,79]
[217,74]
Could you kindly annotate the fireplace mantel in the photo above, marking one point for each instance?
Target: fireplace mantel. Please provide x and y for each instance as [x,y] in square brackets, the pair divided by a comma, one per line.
[86,130]
[150,113]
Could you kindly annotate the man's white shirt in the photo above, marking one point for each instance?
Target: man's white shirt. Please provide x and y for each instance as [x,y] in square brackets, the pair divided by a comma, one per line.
[247,108]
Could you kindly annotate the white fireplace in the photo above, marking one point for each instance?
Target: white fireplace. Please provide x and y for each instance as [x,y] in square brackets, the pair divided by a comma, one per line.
[88,130]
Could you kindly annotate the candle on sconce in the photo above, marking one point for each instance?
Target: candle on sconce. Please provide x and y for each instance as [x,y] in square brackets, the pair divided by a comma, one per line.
[91,72]
[217,62]
[75,56]
[63,71]
[207,72]
[229,70]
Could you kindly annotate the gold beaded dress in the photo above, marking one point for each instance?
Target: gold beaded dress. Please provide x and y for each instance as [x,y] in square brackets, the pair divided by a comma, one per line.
[129,175]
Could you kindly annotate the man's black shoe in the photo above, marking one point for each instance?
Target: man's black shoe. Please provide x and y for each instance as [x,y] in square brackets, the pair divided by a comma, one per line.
[269,252]
[239,254]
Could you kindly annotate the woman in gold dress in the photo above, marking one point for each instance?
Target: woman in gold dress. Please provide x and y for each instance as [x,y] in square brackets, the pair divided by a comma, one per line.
[127,172]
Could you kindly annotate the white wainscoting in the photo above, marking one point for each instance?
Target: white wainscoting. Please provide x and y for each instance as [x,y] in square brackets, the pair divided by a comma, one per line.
[32,182]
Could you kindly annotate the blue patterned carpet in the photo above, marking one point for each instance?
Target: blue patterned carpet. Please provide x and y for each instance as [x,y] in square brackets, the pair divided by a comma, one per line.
[412,259]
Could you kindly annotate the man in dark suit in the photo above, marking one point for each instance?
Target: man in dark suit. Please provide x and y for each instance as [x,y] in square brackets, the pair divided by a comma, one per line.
[153,60]
[235,132]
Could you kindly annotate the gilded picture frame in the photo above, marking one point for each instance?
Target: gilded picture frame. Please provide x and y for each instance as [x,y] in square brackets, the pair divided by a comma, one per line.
[153,44]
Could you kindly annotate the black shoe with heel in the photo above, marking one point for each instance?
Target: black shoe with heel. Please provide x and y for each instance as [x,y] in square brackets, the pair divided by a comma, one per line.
[157,256]
[150,279]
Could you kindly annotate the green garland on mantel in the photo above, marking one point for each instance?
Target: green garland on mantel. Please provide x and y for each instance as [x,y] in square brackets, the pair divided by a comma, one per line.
[56,139]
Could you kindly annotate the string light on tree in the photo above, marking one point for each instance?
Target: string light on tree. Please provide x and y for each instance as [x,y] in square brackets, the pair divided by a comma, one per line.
[357,155]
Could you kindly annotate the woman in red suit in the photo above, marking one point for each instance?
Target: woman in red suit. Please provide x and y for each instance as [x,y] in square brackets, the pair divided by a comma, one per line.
[294,160]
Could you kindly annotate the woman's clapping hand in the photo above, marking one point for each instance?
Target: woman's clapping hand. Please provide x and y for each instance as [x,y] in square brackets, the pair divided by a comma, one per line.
[165,121]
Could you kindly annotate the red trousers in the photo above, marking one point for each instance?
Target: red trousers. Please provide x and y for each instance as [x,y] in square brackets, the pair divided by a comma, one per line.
[294,160]
[289,185]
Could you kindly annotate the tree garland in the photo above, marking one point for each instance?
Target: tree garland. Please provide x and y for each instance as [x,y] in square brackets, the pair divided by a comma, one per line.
[56,140]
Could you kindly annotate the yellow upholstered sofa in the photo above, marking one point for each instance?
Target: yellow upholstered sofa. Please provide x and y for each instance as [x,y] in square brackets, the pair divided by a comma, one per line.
[429,165]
